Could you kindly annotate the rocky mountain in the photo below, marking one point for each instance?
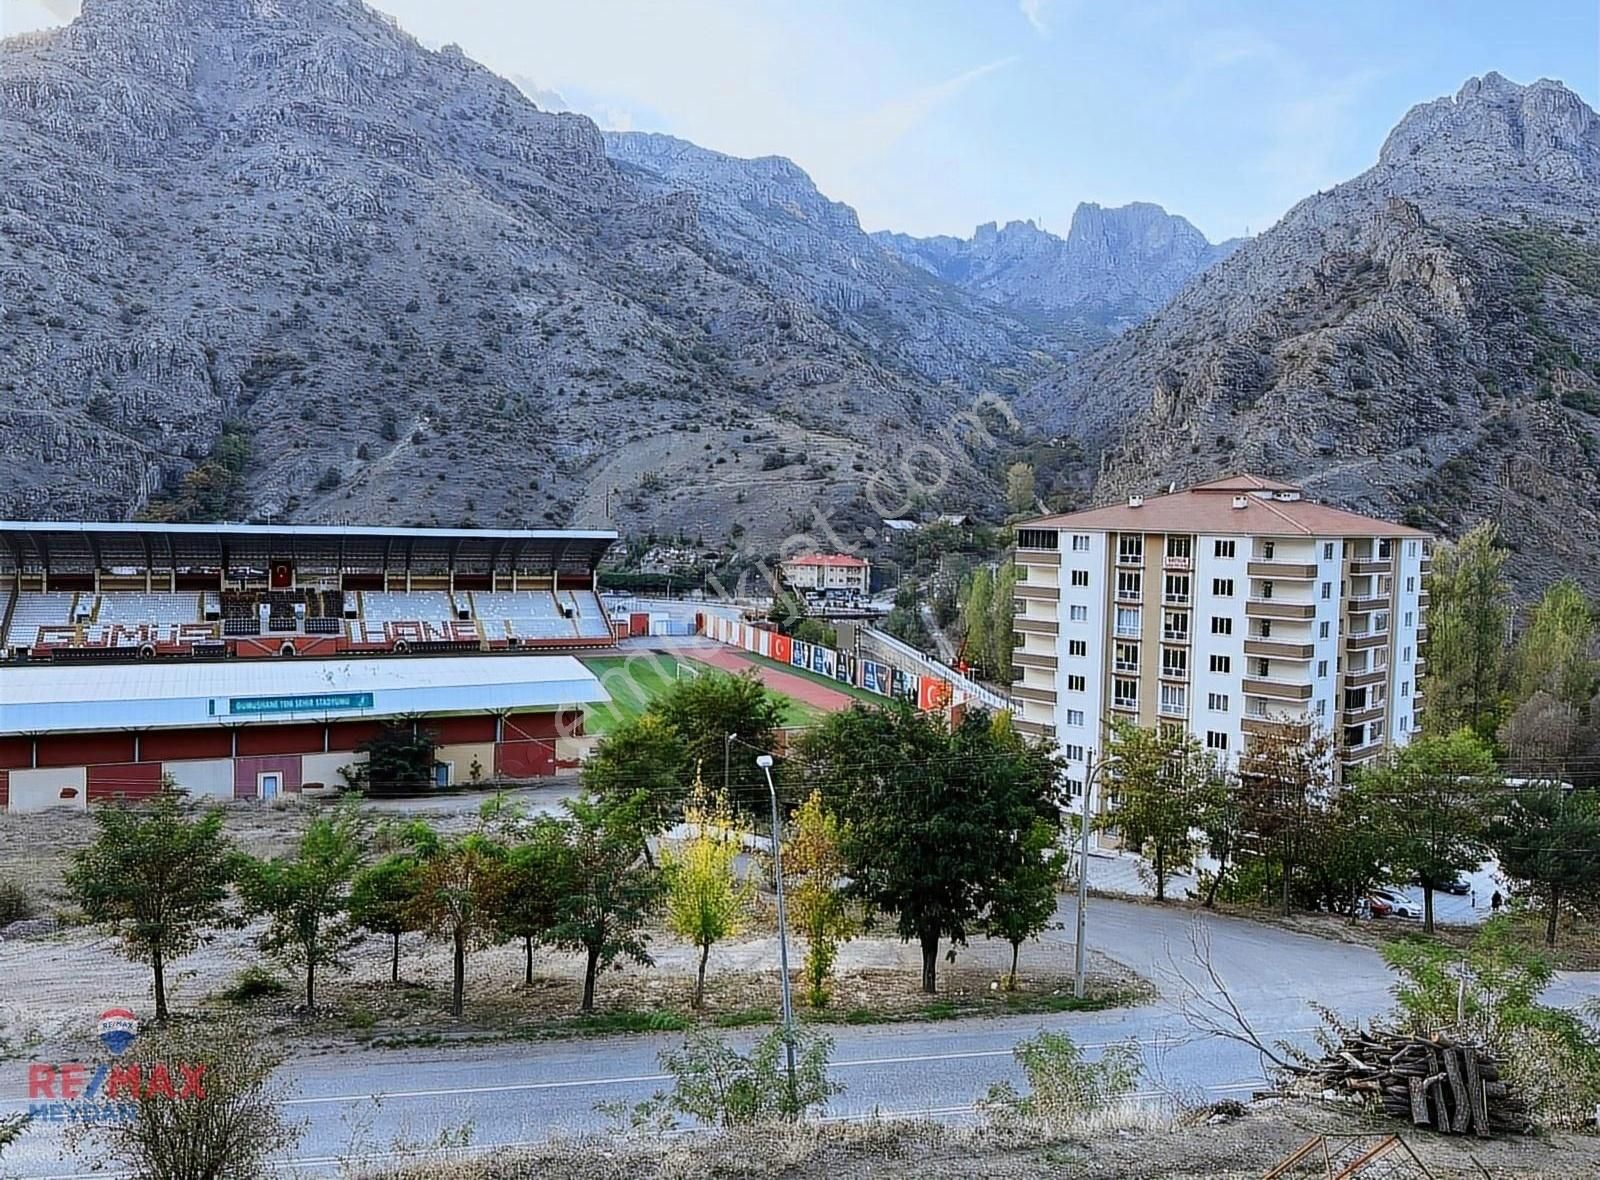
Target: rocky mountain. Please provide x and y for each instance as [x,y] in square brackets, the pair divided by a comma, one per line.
[767,215]
[273,257]
[1112,270]
[1421,341]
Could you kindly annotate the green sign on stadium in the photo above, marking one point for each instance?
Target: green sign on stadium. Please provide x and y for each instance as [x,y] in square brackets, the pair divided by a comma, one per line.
[310,703]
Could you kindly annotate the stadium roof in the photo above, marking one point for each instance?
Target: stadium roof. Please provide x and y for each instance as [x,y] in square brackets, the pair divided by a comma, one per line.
[57,546]
[79,698]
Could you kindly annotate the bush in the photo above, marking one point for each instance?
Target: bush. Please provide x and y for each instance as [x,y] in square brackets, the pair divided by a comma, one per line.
[1066,1092]
[254,983]
[15,902]
[715,1084]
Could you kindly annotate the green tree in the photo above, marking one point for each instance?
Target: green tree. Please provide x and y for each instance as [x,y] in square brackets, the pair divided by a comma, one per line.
[934,815]
[1548,840]
[1020,497]
[306,898]
[977,616]
[1553,654]
[1221,821]
[1159,780]
[612,891]
[535,882]
[1002,627]
[1467,617]
[157,877]
[400,758]
[1021,900]
[813,867]
[460,887]
[705,710]
[706,901]
[1282,776]
[647,757]
[1346,854]
[383,900]
[1430,802]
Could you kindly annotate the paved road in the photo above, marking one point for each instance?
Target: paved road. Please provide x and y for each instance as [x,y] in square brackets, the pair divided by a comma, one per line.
[363,1104]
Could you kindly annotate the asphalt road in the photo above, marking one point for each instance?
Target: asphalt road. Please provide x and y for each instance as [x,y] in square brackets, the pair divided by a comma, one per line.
[369,1104]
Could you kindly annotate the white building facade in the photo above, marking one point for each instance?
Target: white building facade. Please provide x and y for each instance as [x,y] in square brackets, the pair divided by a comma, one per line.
[1228,609]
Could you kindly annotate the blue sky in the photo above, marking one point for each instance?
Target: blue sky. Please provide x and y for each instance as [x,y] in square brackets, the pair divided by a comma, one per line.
[931,116]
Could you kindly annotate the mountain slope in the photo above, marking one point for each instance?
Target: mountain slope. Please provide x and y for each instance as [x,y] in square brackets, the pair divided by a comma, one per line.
[407,293]
[1423,340]
[1113,269]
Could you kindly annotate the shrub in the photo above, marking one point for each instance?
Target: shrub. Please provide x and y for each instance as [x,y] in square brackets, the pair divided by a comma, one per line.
[254,983]
[1066,1092]
[717,1085]
[15,902]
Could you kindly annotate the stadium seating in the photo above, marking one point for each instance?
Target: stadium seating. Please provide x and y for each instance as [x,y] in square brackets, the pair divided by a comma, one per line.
[399,606]
[49,609]
[137,607]
[593,622]
[522,614]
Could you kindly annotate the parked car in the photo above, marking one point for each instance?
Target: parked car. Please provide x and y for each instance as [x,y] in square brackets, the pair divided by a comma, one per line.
[1396,903]
[1459,886]
[1378,906]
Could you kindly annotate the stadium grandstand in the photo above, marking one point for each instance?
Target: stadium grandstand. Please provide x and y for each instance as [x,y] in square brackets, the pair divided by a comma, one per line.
[243,661]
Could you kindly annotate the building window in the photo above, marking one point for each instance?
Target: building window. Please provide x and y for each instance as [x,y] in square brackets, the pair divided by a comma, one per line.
[1037,539]
[1215,740]
[1411,548]
[1221,625]
[1327,551]
[1174,700]
[1080,577]
[1405,688]
[1322,708]
[1217,702]
[1076,684]
[1130,548]
[1080,542]
[1074,786]
[1175,626]
[1177,589]
[1263,668]
[1072,753]
[1174,661]
[1411,585]
[1322,629]
[1128,621]
[1222,587]
[1178,547]
[1130,584]
[1077,647]
[1222,549]
[1075,717]
[1222,664]
[1322,669]
[1409,617]
[1078,613]
[1405,655]
[1268,550]
[1264,629]
[1127,657]
[1384,549]
[1327,590]
[1125,692]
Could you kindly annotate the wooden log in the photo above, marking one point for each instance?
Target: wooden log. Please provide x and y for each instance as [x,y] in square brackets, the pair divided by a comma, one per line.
[1461,1105]
[1419,1104]
[1477,1096]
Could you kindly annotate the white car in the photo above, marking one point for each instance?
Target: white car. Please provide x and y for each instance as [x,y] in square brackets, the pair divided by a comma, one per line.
[1400,905]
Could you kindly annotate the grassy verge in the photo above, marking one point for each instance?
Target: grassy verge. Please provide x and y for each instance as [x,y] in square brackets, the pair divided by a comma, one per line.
[633,682]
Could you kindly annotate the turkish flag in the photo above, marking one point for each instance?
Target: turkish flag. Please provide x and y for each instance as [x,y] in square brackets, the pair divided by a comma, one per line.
[282,575]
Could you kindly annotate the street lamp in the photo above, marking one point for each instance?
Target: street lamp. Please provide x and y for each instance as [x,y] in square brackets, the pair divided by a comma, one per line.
[1080,950]
[765,762]
[727,748]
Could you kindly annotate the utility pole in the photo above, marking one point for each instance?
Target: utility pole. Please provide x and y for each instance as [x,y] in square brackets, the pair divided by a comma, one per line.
[727,744]
[1080,951]
[765,762]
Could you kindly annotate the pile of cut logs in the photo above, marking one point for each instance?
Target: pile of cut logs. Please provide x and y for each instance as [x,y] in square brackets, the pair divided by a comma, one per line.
[1436,1082]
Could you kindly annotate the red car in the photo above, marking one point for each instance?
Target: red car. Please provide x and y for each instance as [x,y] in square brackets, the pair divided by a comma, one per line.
[1378,907]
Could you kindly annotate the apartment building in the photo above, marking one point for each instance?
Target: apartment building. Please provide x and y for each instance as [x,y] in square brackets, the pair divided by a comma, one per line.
[1227,608]
[825,572]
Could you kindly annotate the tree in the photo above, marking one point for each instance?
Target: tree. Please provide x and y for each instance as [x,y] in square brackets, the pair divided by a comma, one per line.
[400,758]
[306,899]
[1346,854]
[934,814]
[1542,735]
[1020,496]
[1430,802]
[706,709]
[534,884]
[1283,774]
[1021,900]
[646,756]
[157,876]
[977,616]
[1002,627]
[1553,654]
[813,867]
[706,901]
[612,891]
[460,885]
[1159,783]
[1221,822]
[1467,594]
[1548,839]
[383,900]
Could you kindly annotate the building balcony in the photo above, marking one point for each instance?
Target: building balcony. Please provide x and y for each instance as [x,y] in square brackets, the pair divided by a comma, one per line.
[1032,626]
[1365,677]
[1180,564]
[1127,632]
[1283,690]
[1362,715]
[1274,650]
[1033,659]
[1173,710]
[1174,673]
[1288,570]
[1279,608]
[1130,597]
[1280,727]
[1036,592]
[1382,565]
[1033,728]
[1130,560]
[1366,603]
[1369,640]
[1125,666]
[1043,696]
[1362,753]
[1125,706]
[1174,636]
[1175,599]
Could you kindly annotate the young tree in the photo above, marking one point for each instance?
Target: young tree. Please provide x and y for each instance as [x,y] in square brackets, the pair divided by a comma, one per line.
[1283,775]
[977,617]
[1553,654]
[1544,735]
[705,710]
[460,887]
[400,759]
[306,898]
[1020,496]
[612,891]
[1346,854]
[535,881]
[1021,900]
[1466,616]
[813,867]
[157,876]
[1430,802]
[644,756]
[1159,782]
[383,900]
[706,901]
[1221,821]
[1548,839]
[1002,627]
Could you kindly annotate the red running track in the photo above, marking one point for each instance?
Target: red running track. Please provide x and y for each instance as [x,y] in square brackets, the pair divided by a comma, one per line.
[801,688]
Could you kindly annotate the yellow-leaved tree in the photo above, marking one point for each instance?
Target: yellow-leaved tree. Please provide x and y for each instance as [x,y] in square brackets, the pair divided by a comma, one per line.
[813,865]
[707,899]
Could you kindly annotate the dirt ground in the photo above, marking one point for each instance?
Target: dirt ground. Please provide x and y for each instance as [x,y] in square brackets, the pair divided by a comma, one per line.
[1189,1149]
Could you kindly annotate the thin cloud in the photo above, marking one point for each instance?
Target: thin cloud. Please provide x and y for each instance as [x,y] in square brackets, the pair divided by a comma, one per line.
[892,121]
[1034,11]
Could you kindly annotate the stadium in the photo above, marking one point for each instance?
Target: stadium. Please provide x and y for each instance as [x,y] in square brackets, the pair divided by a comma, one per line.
[248,661]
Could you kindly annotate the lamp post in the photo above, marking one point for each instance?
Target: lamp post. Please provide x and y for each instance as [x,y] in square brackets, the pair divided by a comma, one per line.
[1080,950]
[727,749]
[765,762]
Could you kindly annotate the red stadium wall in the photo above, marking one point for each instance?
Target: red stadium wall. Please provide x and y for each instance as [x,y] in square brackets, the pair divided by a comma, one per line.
[347,735]
[185,745]
[127,780]
[458,731]
[280,739]
[532,758]
[16,752]
[85,749]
